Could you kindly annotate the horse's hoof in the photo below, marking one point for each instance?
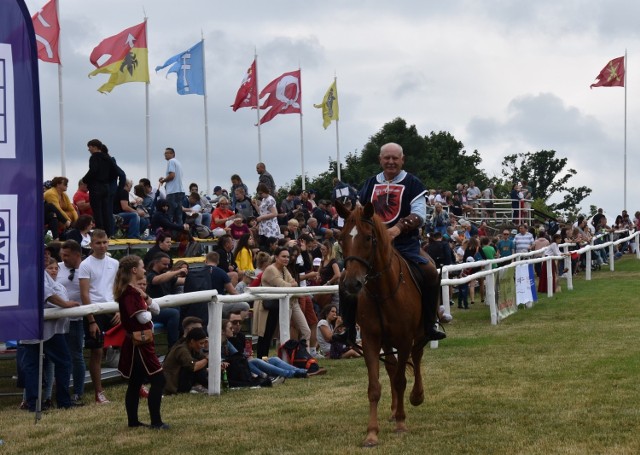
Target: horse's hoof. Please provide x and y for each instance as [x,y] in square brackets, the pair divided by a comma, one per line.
[369,443]
[400,429]
[417,399]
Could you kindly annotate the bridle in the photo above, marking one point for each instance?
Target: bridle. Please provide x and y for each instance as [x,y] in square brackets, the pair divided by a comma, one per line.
[370,265]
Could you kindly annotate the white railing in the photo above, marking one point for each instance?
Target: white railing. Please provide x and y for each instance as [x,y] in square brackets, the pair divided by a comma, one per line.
[214,329]
[284,294]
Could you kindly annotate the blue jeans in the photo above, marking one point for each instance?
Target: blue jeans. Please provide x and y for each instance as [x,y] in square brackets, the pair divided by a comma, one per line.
[55,349]
[175,207]
[75,343]
[135,223]
[409,248]
[274,367]
[170,317]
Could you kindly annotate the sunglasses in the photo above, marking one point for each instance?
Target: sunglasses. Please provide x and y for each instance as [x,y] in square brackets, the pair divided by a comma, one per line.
[235,322]
[72,273]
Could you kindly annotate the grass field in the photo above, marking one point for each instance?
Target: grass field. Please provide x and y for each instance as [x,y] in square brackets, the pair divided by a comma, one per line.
[559,378]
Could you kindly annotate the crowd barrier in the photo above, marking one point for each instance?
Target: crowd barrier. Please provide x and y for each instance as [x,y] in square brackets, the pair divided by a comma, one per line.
[284,294]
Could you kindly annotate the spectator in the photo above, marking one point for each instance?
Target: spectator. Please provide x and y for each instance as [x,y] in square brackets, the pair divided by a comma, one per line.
[439,250]
[236,184]
[538,244]
[81,233]
[146,200]
[117,181]
[328,324]
[57,196]
[135,223]
[186,365]
[523,241]
[267,219]
[97,274]
[199,208]
[243,254]
[163,245]
[243,205]
[487,204]
[100,173]
[463,288]
[226,259]
[162,220]
[552,249]
[160,282]
[138,362]
[440,219]
[81,199]
[239,227]
[266,179]
[506,247]
[222,215]
[516,198]
[301,273]
[173,185]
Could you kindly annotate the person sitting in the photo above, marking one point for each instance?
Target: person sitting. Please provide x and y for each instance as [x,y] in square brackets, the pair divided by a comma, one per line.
[328,324]
[226,258]
[222,215]
[235,364]
[186,365]
[135,223]
[239,227]
[163,245]
[57,196]
[81,233]
[199,208]
[161,219]
[243,252]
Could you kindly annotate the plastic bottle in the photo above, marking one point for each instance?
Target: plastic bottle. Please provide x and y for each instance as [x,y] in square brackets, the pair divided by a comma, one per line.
[248,347]
[225,380]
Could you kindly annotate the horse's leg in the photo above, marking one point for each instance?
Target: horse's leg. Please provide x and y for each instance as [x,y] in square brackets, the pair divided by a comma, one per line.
[417,393]
[390,365]
[399,383]
[371,350]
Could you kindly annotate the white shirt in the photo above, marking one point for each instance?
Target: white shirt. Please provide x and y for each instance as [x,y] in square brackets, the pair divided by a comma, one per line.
[101,274]
[72,286]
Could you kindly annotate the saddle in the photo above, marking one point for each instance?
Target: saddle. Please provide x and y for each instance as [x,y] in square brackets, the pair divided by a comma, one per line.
[415,273]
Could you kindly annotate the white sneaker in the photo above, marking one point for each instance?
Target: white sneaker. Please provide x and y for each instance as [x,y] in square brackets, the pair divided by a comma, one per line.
[278,380]
[198,388]
[101,398]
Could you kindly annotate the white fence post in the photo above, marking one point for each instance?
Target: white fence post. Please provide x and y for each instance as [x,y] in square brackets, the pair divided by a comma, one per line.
[490,296]
[587,266]
[285,319]
[550,289]
[214,329]
[611,253]
[445,291]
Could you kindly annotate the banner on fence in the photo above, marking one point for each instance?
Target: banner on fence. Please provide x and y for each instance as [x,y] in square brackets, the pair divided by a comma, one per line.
[21,213]
[506,293]
[525,285]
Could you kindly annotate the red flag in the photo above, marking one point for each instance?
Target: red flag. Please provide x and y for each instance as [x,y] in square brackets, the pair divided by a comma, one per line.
[611,75]
[285,96]
[47,29]
[247,95]
[117,47]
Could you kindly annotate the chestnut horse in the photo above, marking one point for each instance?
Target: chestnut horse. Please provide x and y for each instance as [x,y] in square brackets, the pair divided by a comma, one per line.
[388,311]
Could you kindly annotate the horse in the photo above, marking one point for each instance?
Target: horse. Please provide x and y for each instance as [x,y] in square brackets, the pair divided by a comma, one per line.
[389,311]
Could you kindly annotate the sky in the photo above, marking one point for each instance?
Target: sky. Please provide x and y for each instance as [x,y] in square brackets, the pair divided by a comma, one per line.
[502,76]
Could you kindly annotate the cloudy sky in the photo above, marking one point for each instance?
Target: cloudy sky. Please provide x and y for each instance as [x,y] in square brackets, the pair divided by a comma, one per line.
[502,76]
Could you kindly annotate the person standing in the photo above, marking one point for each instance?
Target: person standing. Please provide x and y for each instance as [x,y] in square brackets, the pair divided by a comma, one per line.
[71,254]
[523,241]
[266,178]
[398,198]
[97,180]
[138,362]
[267,220]
[96,275]
[173,185]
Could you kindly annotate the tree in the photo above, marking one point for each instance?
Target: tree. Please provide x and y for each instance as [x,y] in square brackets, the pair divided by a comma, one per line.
[546,176]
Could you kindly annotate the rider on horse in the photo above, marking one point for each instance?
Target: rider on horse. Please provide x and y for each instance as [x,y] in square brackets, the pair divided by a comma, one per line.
[398,199]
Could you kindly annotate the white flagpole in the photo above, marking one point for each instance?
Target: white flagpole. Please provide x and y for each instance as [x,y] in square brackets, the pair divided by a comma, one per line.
[626,81]
[304,186]
[63,162]
[255,56]
[147,120]
[335,80]
[206,119]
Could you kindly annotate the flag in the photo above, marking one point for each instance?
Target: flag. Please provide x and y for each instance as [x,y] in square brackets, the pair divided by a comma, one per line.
[125,57]
[247,95]
[329,105]
[612,75]
[47,30]
[189,67]
[285,95]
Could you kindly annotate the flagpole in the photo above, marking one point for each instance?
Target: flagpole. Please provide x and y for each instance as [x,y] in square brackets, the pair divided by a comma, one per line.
[206,118]
[335,81]
[301,136]
[63,163]
[255,56]
[626,81]
[147,118]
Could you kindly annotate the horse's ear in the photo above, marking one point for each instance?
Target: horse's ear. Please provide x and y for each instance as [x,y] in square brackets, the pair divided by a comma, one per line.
[342,210]
[368,211]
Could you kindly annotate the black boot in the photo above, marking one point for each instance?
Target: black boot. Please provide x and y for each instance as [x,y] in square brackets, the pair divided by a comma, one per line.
[348,306]
[430,299]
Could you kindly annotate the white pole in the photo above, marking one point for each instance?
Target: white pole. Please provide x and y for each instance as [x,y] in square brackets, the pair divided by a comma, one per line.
[284,319]
[490,297]
[335,79]
[206,120]
[302,153]
[550,289]
[63,163]
[255,56]
[147,117]
[214,328]
[626,81]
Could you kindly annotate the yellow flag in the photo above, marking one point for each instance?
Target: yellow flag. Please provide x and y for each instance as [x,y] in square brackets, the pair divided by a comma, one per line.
[329,105]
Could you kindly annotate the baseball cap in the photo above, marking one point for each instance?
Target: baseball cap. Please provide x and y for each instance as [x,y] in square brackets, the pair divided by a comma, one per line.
[317,262]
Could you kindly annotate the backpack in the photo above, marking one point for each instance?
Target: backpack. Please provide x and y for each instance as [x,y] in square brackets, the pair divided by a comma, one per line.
[202,231]
[239,373]
[198,279]
[295,353]
[194,249]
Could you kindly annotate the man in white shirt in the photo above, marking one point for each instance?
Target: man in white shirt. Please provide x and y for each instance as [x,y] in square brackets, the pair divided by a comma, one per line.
[71,254]
[97,274]
[523,240]
[173,185]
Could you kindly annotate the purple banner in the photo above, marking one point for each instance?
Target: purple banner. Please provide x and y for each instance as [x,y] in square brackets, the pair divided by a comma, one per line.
[21,205]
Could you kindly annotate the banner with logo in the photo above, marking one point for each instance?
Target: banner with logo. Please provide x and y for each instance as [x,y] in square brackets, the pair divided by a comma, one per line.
[526,293]
[21,205]
[506,293]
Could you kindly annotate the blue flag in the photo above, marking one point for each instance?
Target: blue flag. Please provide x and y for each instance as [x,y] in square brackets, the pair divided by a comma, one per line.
[189,67]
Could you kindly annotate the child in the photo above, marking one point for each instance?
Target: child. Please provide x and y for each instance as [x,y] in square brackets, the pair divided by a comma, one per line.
[238,228]
[463,289]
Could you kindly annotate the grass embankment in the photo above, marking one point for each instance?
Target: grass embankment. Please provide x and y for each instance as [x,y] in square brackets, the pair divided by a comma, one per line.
[560,378]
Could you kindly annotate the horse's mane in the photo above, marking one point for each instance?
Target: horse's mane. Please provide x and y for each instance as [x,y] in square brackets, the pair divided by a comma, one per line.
[379,229]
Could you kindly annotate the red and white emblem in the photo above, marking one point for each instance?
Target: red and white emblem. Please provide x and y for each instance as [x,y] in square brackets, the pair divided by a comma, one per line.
[387,201]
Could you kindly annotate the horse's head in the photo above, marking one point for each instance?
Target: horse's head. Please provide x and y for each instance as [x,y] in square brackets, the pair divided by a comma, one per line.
[364,241]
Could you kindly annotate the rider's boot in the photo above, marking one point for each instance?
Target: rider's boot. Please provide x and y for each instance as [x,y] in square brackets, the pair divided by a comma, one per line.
[348,306]
[430,294]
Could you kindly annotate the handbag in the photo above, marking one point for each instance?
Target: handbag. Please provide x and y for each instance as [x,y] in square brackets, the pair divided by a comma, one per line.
[272,304]
[142,337]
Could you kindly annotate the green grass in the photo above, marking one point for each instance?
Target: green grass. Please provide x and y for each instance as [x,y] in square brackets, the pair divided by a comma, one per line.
[559,378]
